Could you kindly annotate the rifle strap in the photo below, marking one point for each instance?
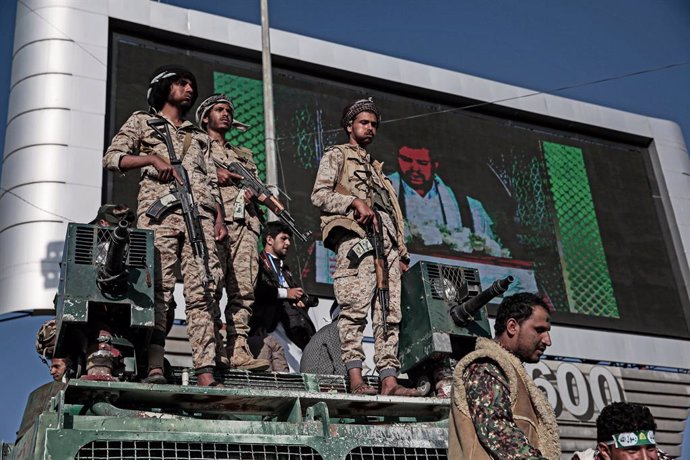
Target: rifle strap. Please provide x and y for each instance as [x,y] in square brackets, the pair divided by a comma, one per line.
[186,143]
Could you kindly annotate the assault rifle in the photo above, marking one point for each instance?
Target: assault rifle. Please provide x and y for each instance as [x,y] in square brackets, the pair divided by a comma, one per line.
[181,194]
[381,266]
[374,242]
[263,195]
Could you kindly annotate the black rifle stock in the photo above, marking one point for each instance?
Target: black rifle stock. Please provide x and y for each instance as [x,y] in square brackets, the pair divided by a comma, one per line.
[263,195]
[182,195]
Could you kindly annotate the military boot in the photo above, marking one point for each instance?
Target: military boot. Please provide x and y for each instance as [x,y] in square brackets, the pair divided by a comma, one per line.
[241,357]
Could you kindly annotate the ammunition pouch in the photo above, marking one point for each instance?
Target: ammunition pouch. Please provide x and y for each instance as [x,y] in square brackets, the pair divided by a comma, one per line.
[359,250]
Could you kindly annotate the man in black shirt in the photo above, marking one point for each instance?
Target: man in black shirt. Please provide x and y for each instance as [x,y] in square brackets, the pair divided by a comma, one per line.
[279,299]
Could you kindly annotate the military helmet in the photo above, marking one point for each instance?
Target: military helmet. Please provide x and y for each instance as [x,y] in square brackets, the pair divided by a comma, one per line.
[208,104]
[162,78]
[45,339]
[362,105]
[113,214]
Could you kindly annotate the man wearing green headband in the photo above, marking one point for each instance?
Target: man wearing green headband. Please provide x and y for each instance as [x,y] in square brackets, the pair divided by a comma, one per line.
[625,431]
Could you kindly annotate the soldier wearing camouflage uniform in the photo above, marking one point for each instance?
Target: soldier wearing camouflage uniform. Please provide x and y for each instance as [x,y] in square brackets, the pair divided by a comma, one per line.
[172,92]
[239,256]
[497,411]
[348,185]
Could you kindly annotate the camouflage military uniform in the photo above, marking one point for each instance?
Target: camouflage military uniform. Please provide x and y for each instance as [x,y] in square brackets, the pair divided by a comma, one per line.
[239,254]
[355,284]
[488,396]
[273,352]
[170,239]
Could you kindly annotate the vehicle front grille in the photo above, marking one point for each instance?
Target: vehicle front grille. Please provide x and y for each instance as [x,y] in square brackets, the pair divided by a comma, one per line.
[341,384]
[179,450]
[397,453]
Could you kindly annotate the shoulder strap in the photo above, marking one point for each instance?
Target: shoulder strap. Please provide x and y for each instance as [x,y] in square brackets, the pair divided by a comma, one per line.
[339,187]
[186,144]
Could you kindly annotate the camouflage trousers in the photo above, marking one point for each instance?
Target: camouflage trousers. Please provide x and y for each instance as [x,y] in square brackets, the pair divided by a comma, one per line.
[239,259]
[355,289]
[172,246]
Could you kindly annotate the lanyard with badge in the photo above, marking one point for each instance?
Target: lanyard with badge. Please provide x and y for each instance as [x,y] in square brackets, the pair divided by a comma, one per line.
[279,273]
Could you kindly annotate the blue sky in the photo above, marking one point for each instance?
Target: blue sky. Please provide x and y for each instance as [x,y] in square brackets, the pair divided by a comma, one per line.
[537,44]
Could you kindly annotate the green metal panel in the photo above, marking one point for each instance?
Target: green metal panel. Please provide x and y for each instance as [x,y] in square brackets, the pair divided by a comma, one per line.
[427,332]
[171,421]
[80,302]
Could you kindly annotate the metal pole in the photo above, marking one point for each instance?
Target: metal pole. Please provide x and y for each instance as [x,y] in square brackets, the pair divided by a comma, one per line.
[269,122]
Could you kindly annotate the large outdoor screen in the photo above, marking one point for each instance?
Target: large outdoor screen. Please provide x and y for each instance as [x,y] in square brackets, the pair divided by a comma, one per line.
[568,215]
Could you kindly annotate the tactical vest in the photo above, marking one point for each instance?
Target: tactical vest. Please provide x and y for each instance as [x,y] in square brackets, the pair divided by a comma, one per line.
[366,181]
[531,410]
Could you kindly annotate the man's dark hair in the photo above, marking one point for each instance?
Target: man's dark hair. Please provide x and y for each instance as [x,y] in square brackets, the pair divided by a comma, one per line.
[162,79]
[623,417]
[274,229]
[517,306]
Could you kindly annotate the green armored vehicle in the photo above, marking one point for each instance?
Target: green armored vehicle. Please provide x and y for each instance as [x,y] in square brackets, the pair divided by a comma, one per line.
[256,415]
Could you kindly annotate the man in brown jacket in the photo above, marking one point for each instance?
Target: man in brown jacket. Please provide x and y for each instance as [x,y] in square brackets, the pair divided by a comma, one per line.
[497,411]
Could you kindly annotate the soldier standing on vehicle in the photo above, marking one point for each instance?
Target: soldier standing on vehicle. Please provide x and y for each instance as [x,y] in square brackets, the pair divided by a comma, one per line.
[350,189]
[172,92]
[239,256]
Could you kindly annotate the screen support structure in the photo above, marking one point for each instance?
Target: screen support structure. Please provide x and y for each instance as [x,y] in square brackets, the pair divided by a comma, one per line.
[267,70]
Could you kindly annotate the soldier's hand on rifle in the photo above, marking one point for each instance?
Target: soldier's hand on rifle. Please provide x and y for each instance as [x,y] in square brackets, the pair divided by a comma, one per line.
[295,293]
[404,266]
[363,213]
[226,177]
[248,195]
[165,170]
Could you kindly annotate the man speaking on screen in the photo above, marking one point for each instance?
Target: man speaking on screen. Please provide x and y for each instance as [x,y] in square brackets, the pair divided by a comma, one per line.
[433,212]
